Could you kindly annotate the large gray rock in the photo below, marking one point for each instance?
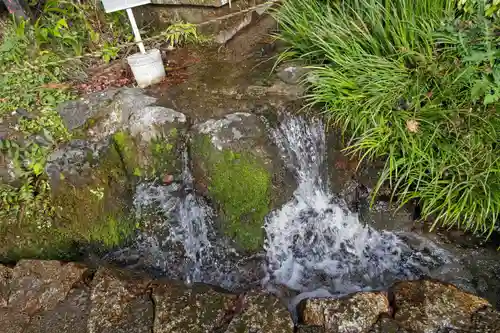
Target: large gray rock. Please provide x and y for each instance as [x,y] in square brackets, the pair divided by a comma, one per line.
[196,310]
[261,312]
[101,113]
[119,304]
[429,306]
[233,157]
[139,129]
[90,192]
[75,161]
[354,314]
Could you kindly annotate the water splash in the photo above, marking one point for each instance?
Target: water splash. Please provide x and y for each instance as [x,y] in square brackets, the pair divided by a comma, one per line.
[314,244]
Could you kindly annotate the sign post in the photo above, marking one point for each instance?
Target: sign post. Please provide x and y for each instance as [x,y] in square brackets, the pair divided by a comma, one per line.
[116,5]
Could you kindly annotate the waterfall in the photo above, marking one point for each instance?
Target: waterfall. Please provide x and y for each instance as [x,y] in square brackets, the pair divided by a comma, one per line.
[179,239]
[312,242]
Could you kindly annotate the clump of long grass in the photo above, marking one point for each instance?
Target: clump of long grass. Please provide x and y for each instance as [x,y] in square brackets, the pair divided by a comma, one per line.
[415,85]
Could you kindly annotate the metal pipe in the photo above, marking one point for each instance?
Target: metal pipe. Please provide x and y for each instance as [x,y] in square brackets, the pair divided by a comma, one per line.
[137,35]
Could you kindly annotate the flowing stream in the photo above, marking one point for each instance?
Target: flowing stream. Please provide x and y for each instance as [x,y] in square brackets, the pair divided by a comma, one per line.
[313,244]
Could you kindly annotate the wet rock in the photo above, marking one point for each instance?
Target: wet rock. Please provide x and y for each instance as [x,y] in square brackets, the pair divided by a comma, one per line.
[428,306]
[128,118]
[13,321]
[356,313]
[235,161]
[261,312]
[70,315]
[286,92]
[99,115]
[310,329]
[5,276]
[40,285]
[198,310]
[291,74]
[119,304]
[383,215]
[387,325]
[153,142]
[90,186]
[155,121]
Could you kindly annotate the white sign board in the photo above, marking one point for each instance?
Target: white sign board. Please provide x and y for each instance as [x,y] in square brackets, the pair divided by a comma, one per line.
[115,5]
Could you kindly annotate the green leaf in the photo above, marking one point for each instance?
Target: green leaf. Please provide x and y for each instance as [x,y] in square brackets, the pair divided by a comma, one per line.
[491,98]
[62,23]
[479,89]
[37,168]
[478,57]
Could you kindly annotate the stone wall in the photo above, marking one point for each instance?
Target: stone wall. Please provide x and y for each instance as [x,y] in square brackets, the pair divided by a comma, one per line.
[51,296]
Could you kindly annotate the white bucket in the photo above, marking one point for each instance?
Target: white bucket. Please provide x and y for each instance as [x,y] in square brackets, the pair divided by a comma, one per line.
[147,68]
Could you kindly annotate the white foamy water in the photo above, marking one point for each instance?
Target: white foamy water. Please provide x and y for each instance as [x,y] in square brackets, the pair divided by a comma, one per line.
[314,244]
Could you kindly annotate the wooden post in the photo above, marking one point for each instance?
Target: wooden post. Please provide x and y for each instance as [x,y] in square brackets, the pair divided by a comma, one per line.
[19,8]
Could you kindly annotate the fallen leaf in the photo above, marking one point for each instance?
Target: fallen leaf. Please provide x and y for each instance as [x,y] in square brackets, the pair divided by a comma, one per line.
[412,125]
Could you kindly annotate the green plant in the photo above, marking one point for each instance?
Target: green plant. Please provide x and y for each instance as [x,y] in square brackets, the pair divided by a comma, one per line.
[490,7]
[179,33]
[109,52]
[32,196]
[413,85]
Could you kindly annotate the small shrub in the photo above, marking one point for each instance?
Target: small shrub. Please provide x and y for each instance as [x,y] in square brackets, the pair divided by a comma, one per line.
[415,85]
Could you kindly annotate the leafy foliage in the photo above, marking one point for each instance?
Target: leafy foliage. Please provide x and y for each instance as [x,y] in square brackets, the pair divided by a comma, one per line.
[489,7]
[179,33]
[29,96]
[415,85]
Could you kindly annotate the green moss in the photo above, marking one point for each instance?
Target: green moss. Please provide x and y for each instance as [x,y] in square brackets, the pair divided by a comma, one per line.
[241,185]
[154,159]
[173,133]
[127,150]
[93,215]
[164,154]
[111,231]
[88,210]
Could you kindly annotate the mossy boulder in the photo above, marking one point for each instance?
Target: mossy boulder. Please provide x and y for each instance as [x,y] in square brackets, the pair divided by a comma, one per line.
[88,205]
[91,193]
[120,137]
[234,161]
[149,138]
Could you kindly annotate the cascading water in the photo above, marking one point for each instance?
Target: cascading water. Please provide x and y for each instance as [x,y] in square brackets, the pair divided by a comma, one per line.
[312,242]
[179,240]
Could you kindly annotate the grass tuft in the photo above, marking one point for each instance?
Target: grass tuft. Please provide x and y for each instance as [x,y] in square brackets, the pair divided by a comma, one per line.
[415,85]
